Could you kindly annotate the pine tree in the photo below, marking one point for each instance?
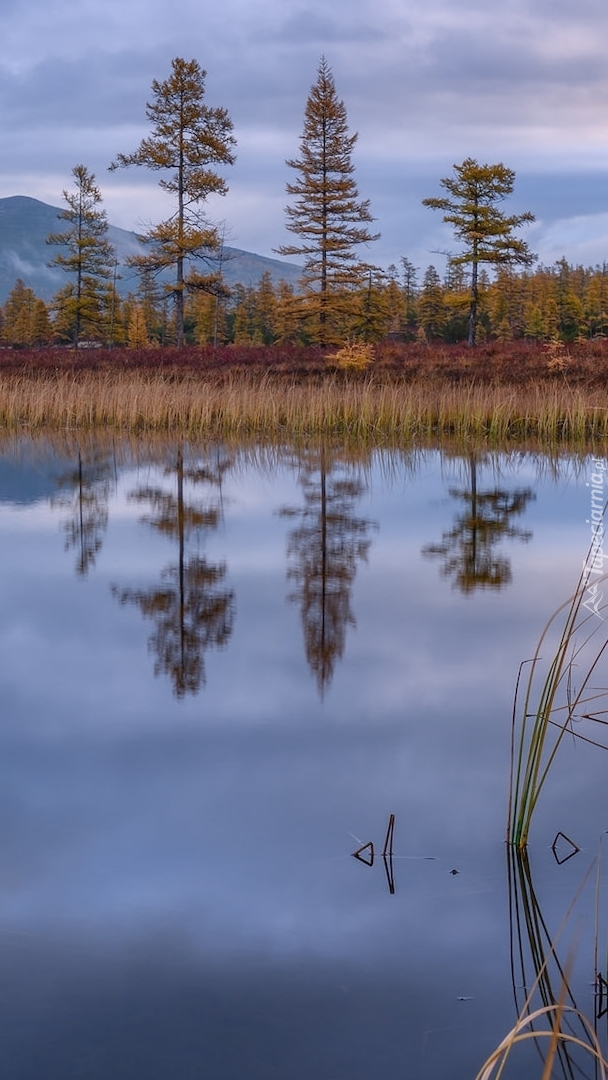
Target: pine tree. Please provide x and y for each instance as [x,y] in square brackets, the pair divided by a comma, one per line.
[485,232]
[89,256]
[327,215]
[188,139]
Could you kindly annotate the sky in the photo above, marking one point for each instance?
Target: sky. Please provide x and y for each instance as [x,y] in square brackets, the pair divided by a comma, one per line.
[523,82]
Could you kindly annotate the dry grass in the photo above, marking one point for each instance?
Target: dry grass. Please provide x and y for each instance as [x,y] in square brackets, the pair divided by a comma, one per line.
[371,408]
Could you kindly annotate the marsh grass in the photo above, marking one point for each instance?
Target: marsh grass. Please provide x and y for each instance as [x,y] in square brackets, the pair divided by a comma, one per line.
[557,1039]
[372,409]
[558,699]
[534,953]
[548,1016]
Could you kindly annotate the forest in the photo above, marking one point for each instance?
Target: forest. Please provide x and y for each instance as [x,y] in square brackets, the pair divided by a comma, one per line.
[491,291]
[561,302]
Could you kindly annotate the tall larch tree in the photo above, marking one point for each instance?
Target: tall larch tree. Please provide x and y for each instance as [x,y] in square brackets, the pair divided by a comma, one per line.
[188,140]
[486,234]
[87,256]
[327,215]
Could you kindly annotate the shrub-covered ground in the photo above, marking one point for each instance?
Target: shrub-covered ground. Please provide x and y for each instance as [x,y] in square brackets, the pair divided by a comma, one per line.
[582,363]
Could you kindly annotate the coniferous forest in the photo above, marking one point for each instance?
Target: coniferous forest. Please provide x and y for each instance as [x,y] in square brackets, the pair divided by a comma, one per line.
[492,290]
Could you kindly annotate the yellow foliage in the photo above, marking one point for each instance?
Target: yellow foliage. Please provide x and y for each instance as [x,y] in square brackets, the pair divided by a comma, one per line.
[557,355]
[353,356]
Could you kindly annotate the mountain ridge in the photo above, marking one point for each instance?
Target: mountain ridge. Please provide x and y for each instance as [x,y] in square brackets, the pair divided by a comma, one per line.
[25,224]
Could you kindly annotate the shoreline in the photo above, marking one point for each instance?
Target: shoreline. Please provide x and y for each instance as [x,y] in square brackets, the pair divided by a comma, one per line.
[373,407]
[556,395]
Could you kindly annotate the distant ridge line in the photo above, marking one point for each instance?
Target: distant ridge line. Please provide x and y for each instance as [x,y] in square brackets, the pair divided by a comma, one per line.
[26,222]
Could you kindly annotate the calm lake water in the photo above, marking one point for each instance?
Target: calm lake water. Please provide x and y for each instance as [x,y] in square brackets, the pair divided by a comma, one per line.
[222,670]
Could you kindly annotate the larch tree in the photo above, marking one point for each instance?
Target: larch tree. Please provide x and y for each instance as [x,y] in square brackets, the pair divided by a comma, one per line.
[327,214]
[87,256]
[432,312]
[469,550]
[191,606]
[324,552]
[187,141]
[486,234]
[18,315]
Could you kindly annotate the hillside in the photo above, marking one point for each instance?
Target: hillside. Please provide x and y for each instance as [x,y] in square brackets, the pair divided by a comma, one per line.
[25,224]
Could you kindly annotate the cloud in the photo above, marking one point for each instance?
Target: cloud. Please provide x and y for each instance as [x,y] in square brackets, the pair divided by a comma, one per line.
[583,237]
[523,82]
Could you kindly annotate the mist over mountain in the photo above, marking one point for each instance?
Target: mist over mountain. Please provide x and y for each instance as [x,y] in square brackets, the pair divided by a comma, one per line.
[25,224]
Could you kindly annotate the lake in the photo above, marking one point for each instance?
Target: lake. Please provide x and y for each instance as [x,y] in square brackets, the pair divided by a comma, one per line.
[223,670]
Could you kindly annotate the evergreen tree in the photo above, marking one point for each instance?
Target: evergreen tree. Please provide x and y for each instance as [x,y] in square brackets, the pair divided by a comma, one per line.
[327,215]
[88,256]
[506,305]
[242,323]
[26,319]
[596,302]
[137,333]
[203,307]
[265,309]
[18,314]
[570,311]
[286,316]
[535,327]
[485,232]
[152,299]
[188,139]
[410,293]
[432,312]
[41,329]
[373,318]
[394,303]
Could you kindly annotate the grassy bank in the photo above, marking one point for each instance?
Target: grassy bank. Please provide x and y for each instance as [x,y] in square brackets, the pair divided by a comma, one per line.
[521,395]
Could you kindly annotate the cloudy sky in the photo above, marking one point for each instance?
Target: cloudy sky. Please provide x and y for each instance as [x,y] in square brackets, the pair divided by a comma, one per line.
[426,85]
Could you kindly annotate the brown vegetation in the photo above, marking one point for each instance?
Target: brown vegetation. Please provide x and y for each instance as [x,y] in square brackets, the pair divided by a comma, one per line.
[408,392]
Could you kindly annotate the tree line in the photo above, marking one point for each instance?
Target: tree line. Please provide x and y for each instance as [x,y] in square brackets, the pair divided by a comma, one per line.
[488,291]
[560,302]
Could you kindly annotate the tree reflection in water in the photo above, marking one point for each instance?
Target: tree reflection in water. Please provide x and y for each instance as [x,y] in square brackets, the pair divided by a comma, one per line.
[191,607]
[468,550]
[84,494]
[323,552]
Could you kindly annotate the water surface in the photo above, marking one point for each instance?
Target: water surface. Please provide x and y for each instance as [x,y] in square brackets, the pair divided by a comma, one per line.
[222,670]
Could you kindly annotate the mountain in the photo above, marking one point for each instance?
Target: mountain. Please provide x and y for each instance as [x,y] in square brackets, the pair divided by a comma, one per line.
[25,224]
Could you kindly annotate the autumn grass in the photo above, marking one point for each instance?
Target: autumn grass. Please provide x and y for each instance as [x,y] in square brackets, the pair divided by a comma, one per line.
[560,696]
[548,1017]
[556,1038]
[371,408]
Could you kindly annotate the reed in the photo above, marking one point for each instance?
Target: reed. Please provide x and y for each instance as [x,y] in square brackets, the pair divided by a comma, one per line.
[371,408]
[560,1031]
[575,640]
[553,1034]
